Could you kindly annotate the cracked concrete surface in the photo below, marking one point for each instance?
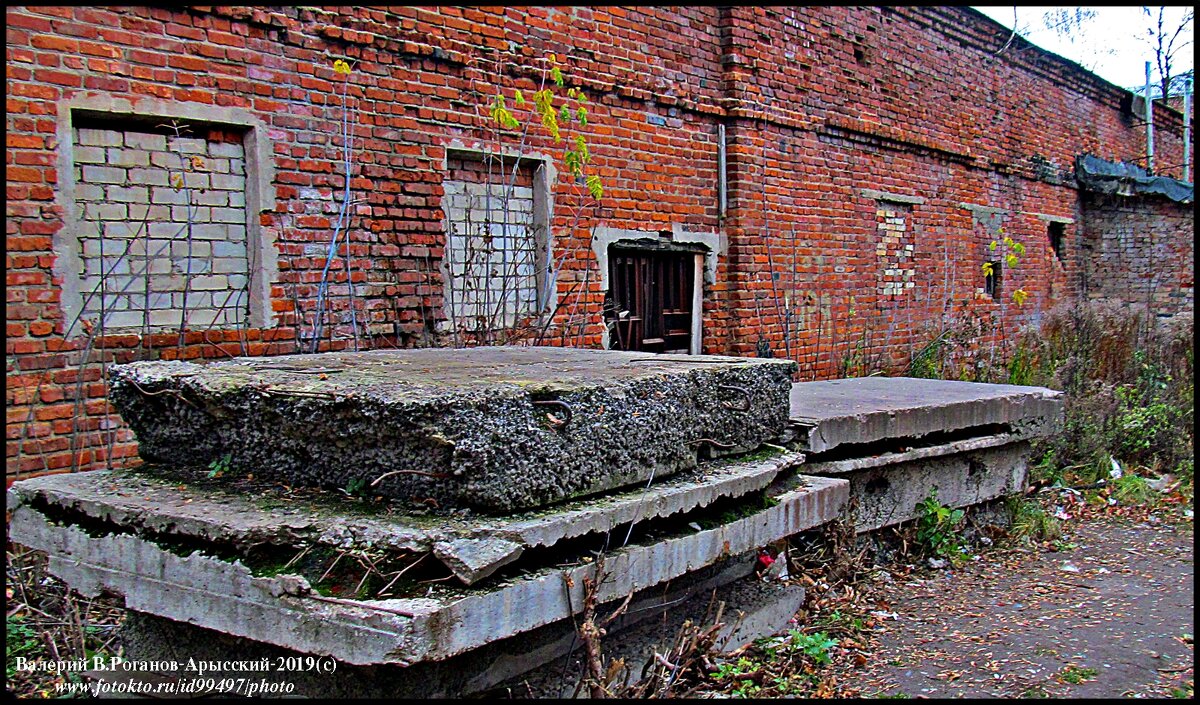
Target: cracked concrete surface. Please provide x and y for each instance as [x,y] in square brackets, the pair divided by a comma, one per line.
[499,429]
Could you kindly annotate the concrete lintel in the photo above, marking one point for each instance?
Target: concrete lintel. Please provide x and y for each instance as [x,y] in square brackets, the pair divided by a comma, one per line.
[892,197]
[1053,218]
[716,245]
[987,210]
[225,596]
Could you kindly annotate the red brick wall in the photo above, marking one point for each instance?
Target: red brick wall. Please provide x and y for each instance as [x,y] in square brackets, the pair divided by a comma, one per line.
[819,104]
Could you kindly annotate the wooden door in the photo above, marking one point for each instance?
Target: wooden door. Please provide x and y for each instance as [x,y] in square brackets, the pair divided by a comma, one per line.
[652,300]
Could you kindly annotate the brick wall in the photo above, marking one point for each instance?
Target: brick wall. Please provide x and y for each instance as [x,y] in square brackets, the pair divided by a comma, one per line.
[823,110]
[1140,250]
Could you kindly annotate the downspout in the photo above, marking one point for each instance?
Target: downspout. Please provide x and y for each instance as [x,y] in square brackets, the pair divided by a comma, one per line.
[1149,125]
[721,183]
[1187,129]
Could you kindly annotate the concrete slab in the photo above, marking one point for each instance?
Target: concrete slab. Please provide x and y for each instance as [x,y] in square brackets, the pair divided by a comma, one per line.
[752,609]
[828,414]
[158,506]
[281,610]
[886,489]
[534,658]
[496,428]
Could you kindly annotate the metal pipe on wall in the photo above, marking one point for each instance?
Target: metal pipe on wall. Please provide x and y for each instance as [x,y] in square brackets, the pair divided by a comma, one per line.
[1187,129]
[1149,125]
[721,172]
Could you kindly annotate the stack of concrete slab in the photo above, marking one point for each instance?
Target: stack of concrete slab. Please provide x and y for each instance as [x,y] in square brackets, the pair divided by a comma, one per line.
[431,519]
[508,476]
[900,440]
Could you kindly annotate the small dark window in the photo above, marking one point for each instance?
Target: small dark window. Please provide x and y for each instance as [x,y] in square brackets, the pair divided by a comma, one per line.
[1055,232]
[991,280]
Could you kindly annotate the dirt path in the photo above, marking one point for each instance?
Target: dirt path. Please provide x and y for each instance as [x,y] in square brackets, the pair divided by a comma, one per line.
[1111,617]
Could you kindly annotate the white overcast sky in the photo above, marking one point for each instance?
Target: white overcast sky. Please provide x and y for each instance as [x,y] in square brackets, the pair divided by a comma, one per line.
[1110,45]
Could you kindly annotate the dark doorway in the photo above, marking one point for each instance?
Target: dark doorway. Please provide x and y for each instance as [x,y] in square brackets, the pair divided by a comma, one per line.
[649,306]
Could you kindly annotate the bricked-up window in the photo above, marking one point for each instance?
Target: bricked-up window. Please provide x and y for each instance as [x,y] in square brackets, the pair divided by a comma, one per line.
[161,225]
[1054,233]
[495,248]
[894,247]
[991,280]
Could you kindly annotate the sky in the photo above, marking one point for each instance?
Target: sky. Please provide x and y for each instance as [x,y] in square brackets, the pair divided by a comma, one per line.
[1109,45]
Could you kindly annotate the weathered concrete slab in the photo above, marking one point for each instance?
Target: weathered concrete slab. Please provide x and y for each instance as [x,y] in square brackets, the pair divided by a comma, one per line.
[828,414]
[887,488]
[753,609]
[160,507]
[533,658]
[497,428]
[281,610]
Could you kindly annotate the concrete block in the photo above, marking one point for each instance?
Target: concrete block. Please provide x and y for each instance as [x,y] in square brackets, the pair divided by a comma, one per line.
[472,560]
[198,214]
[148,177]
[123,319]
[167,160]
[128,157]
[164,319]
[104,174]
[229,265]
[187,145]
[229,182]
[195,179]
[141,211]
[209,282]
[146,141]
[226,248]
[228,215]
[209,231]
[106,211]
[89,155]
[168,231]
[211,198]
[227,150]
[168,195]
[98,138]
[88,192]
[128,194]
[190,265]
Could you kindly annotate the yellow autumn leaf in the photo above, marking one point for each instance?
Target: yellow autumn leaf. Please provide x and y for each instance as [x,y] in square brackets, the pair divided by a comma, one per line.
[197,161]
[177,180]
[1019,296]
[340,66]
